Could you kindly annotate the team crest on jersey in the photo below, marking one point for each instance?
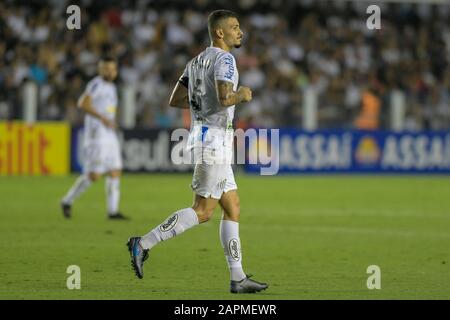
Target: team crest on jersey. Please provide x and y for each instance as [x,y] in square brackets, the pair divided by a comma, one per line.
[233,249]
[169,224]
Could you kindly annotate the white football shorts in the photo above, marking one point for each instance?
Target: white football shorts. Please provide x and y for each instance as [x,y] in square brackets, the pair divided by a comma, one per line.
[212,180]
[102,156]
[211,152]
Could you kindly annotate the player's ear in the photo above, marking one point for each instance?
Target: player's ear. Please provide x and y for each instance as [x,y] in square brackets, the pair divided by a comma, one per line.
[219,33]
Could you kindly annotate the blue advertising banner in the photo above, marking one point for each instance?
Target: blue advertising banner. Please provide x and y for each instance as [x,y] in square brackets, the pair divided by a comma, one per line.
[76,147]
[359,152]
[295,151]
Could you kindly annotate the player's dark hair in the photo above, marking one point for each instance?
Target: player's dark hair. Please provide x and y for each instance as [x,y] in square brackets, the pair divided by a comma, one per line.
[108,58]
[215,17]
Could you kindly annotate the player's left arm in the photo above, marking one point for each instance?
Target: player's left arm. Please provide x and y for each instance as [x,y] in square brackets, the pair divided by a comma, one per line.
[179,97]
[228,97]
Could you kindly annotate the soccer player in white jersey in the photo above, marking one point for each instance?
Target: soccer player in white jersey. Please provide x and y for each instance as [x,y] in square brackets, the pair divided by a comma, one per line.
[209,87]
[101,145]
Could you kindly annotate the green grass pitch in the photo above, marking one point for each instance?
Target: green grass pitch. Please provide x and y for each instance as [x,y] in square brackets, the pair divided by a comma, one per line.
[309,237]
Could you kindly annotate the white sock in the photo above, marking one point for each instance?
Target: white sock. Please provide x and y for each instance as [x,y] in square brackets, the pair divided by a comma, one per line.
[176,224]
[229,236]
[80,185]
[112,187]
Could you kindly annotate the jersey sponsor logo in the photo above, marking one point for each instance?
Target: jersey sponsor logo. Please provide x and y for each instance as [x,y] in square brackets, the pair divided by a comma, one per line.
[233,249]
[169,224]
[229,62]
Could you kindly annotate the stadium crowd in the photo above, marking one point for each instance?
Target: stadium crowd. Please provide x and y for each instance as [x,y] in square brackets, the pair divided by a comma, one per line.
[289,46]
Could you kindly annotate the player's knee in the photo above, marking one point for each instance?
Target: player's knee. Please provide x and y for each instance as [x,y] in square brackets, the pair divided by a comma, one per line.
[93,176]
[115,174]
[232,215]
[234,211]
[204,214]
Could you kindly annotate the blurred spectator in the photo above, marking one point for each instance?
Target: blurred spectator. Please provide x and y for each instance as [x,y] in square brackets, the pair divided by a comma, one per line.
[369,117]
[289,46]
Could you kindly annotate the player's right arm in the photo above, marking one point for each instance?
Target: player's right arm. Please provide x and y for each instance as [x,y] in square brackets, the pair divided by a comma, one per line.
[228,97]
[180,95]
[85,103]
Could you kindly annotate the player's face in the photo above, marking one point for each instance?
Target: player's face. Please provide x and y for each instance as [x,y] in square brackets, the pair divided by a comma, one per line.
[232,33]
[108,70]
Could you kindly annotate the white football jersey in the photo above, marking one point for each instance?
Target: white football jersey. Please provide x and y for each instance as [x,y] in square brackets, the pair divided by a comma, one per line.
[104,101]
[199,77]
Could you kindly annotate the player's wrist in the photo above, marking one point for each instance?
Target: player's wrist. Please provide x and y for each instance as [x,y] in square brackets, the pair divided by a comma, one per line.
[239,97]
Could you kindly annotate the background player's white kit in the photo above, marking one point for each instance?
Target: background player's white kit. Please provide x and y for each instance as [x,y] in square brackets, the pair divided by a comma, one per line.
[101,149]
